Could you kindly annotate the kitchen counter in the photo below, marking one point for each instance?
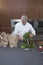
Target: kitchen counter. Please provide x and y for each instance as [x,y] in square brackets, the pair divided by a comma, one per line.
[18,56]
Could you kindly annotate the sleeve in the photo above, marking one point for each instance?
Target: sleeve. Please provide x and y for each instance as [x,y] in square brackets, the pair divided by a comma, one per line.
[32,30]
[16,31]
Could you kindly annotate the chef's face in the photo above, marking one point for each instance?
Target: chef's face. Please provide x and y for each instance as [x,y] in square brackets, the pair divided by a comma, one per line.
[24,21]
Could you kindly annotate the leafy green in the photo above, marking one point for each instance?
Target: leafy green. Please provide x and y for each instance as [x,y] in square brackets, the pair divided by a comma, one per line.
[27,38]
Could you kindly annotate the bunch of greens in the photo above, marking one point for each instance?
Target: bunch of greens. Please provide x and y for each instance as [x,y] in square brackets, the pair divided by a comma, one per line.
[28,42]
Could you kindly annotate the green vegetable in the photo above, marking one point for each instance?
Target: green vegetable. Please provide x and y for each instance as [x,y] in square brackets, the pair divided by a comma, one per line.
[27,38]
[26,35]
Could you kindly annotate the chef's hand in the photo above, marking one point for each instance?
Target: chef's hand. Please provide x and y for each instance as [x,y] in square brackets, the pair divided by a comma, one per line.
[20,37]
[31,35]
